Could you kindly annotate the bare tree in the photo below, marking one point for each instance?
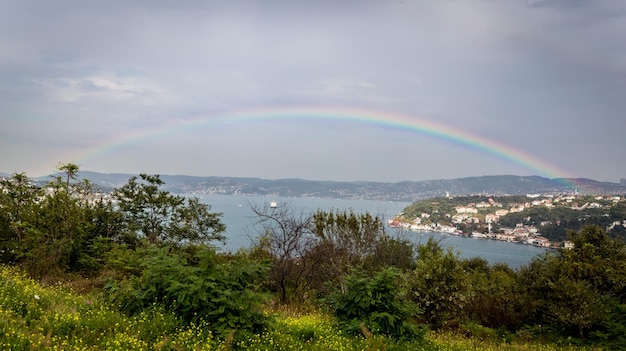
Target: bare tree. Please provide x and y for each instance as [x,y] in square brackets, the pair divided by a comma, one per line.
[285,235]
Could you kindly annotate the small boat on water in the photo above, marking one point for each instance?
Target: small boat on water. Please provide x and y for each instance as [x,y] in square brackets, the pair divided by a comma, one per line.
[273,204]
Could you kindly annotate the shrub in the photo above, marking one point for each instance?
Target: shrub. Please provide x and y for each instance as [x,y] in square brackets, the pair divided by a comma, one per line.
[377,305]
[223,295]
[439,284]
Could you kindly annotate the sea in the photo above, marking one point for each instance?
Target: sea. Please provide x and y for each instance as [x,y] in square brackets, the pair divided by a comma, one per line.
[242,227]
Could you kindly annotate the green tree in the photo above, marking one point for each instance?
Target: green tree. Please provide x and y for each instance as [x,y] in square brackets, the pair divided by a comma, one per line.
[163,218]
[597,259]
[70,171]
[574,303]
[497,299]
[576,289]
[439,284]
[62,233]
[18,201]
[347,240]
[50,232]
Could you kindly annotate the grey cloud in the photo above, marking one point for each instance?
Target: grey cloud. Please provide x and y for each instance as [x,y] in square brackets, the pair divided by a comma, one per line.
[538,75]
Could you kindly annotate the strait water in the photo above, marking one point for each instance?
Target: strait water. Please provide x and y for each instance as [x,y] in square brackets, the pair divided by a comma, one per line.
[241,225]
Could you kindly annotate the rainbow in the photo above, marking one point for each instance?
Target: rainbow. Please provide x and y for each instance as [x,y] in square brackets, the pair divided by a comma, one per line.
[347,114]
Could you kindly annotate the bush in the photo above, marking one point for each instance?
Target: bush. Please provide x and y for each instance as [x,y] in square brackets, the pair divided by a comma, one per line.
[439,284]
[222,294]
[376,305]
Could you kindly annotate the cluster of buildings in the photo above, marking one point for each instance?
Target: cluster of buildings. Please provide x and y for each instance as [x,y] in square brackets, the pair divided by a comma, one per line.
[83,194]
[485,214]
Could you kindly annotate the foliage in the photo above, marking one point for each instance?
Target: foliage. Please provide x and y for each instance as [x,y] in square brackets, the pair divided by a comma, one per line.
[612,331]
[18,196]
[50,232]
[36,318]
[69,228]
[177,292]
[497,300]
[581,289]
[554,221]
[348,239]
[439,285]
[354,233]
[390,251]
[440,208]
[309,253]
[562,220]
[452,341]
[199,288]
[165,218]
[376,305]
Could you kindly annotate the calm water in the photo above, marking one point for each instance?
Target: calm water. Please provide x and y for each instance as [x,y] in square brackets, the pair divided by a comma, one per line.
[240,225]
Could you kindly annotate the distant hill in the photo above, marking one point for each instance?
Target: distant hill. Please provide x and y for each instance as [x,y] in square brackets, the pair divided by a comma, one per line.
[402,191]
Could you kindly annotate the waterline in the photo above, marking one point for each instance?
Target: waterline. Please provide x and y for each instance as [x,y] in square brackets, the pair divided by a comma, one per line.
[241,228]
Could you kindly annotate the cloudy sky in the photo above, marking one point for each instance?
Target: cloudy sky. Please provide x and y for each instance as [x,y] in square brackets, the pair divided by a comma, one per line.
[188,87]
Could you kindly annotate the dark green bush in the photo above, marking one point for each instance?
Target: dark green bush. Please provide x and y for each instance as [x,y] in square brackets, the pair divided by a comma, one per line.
[376,304]
[222,293]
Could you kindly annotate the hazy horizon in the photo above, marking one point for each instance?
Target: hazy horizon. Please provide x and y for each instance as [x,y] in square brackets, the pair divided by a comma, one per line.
[306,179]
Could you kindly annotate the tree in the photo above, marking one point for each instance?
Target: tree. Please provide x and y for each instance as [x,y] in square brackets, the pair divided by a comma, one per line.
[287,239]
[50,232]
[64,204]
[574,303]
[165,218]
[347,240]
[597,259]
[194,223]
[62,235]
[355,234]
[439,284]
[497,299]
[18,200]
[17,196]
[575,289]
[71,171]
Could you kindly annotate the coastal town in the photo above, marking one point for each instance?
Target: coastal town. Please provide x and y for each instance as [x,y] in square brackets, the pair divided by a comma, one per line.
[541,220]
[483,217]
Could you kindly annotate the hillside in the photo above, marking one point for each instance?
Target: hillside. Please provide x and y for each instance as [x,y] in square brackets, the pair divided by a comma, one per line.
[401,191]
[519,218]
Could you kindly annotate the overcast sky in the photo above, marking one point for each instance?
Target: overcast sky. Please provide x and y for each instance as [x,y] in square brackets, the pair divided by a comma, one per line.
[110,85]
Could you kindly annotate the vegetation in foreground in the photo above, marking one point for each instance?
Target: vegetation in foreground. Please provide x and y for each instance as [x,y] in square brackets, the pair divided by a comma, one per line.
[137,271]
[35,317]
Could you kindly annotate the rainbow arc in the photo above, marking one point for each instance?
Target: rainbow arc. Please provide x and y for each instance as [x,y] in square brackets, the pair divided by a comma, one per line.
[347,114]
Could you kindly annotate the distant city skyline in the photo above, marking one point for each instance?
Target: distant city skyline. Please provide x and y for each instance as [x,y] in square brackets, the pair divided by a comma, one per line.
[348,91]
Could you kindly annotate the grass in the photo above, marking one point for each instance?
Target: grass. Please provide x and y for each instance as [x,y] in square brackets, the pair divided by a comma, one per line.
[453,342]
[34,317]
